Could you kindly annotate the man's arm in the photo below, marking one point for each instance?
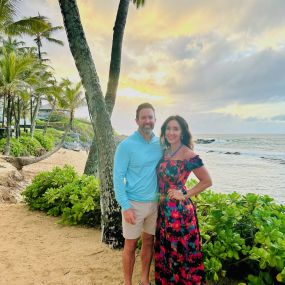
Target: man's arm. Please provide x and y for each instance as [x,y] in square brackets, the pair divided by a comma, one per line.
[121,162]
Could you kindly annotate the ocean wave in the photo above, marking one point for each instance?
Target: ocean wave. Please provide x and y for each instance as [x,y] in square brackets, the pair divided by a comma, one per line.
[277,157]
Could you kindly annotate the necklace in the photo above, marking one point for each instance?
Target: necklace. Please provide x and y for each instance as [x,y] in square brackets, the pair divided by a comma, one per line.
[171,154]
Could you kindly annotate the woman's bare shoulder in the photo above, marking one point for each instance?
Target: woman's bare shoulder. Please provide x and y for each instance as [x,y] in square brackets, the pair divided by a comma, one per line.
[188,153]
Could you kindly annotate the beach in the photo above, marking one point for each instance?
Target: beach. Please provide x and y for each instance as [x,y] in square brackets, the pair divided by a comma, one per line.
[35,249]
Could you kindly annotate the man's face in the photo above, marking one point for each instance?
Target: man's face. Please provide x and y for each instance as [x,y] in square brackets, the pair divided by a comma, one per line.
[146,120]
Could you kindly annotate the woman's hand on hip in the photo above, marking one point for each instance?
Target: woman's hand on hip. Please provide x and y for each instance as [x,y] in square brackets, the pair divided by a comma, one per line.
[176,194]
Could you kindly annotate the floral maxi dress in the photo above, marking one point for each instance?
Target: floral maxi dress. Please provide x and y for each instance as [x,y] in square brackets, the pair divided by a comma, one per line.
[178,256]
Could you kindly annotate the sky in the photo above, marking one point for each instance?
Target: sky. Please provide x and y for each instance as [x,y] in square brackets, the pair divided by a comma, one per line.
[220,64]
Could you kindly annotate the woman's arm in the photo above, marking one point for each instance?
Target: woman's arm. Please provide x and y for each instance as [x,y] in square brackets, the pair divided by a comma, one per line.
[205,181]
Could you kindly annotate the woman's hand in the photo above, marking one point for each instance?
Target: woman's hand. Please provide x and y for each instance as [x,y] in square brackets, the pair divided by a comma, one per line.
[176,194]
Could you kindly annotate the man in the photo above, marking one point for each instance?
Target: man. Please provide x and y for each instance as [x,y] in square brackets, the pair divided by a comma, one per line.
[136,190]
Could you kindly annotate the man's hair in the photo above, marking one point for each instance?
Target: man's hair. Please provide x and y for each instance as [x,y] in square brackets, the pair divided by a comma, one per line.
[143,106]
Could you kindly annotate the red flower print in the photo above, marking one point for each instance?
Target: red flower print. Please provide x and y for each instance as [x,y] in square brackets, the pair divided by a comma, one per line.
[175,215]
[176,226]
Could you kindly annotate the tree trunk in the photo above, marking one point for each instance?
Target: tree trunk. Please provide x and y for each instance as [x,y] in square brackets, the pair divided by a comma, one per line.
[25,124]
[31,112]
[115,64]
[20,162]
[71,119]
[15,119]
[91,166]
[38,41]
[34,116]
[8,129]
[17,116]
[3,113]
[111,215]
[114,74]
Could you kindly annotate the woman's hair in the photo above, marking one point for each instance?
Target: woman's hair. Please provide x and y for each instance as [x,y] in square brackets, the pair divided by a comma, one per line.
[186,136]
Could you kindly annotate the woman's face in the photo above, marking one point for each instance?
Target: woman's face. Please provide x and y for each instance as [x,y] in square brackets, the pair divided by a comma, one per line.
[173,132]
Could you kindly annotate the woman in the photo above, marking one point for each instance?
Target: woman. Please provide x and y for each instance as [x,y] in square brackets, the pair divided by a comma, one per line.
[178,256]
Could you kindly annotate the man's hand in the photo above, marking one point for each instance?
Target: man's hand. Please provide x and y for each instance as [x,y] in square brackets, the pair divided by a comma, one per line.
[129,216]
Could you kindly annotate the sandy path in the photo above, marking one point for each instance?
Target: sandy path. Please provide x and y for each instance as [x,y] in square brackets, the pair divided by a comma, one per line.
[60,158]
[35,249]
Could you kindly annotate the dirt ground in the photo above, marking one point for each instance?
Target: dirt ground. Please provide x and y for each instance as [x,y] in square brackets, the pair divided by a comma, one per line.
[35,249]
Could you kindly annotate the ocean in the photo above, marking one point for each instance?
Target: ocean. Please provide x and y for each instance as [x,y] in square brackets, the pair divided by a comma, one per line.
[245,163]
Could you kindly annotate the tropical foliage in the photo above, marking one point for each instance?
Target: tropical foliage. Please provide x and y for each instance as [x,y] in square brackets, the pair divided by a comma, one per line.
[243,237]
[25,77]
[25,145]
[62,192]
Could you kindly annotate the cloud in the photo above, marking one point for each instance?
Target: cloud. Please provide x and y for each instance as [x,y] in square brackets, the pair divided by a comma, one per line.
[196,56]
[278,118]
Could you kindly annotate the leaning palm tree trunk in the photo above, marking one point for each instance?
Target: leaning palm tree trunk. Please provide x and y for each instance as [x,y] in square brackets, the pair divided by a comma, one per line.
[20,162]
[91,166]
[111,217]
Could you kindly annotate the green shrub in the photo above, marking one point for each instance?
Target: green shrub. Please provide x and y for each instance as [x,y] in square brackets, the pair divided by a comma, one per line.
[46,141]
[243,237]
[16,147]
[32,145]
[55,134]
[62,192]
[40,123]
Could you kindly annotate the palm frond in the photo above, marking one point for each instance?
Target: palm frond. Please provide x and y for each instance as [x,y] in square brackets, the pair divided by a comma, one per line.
[28,26]
[8,10]
[53,40]
[139,3]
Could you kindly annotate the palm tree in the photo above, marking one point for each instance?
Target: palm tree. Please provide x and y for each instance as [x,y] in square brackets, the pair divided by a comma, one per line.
[53,95]
[8,26]
[111,216]
[40,81]
[100,108]
[25,97]
[72,99]
[15,70]
[91,166]
[40,28]
[7,12]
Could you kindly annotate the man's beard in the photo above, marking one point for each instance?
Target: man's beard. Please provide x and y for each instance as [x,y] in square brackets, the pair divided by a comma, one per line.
[147,130]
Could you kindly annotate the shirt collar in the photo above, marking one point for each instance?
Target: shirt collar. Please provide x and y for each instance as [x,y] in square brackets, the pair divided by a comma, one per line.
[152,138]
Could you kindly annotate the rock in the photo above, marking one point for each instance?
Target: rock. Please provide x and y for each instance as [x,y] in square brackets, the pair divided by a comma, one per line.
[7,196]
[234,153]
[204,141]
[12,183]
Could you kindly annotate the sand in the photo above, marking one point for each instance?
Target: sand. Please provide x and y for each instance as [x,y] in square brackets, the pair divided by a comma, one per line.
[35,249]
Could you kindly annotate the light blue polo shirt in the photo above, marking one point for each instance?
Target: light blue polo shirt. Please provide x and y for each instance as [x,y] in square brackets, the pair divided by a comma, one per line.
[135,169]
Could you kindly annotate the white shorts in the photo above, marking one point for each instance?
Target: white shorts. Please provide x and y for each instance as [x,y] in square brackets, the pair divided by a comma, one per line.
[146,216]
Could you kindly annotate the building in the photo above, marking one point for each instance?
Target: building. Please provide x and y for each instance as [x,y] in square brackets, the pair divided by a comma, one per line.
[45,111]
